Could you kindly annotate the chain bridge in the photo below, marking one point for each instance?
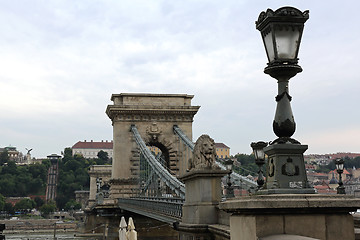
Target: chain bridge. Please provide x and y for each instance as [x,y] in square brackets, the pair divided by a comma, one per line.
[152,146]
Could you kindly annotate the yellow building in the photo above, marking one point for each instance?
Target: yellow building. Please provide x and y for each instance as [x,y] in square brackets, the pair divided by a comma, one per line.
[222,151]
[154,150]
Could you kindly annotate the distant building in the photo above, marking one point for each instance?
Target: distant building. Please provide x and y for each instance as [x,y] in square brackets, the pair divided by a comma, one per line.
[343,155]
[325,159]
[345,175]
[14,200]
[355,173]
[325,189]
[13,153]
[318,159]
[316,178]
[222,151]
[91,149]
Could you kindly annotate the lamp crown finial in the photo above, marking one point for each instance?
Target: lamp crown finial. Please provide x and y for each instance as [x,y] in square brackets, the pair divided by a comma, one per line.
[282,14]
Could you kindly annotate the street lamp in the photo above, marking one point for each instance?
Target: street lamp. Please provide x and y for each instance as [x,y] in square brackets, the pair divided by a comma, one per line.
[258,148]
[281,31]
[98,184]
[339,162]
[229,188]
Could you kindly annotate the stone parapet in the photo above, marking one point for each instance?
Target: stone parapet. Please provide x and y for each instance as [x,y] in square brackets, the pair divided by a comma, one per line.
[324,217]
[295,202]
[151,99]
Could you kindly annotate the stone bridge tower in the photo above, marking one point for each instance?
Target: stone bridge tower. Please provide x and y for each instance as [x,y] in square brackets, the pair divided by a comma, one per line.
[154,115]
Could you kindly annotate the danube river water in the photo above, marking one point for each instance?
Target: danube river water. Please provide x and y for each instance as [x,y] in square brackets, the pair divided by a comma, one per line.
[42,236]
[68,236]
[147,229]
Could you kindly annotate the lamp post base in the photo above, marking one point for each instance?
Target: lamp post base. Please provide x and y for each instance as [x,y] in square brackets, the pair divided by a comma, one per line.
[286,170]
[340,190]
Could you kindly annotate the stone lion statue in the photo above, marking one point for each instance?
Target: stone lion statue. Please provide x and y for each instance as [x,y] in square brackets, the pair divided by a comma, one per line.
[204,154]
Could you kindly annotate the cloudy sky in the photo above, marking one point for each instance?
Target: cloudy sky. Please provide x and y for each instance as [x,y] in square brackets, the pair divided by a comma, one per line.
[61,60]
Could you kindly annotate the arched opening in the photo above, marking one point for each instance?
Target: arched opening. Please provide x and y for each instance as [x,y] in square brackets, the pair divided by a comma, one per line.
[161,153]
[150,183]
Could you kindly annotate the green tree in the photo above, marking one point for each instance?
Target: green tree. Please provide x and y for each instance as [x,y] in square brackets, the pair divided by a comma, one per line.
[247,164]
[103,157]
[8,186]
[8,207]
[4,157]
[72,165]
[61,201]
[46,163]
[38,171]
[39,202]
[72,205]
[21,181]
[47,208]
[2,202]
[25,204]
[73,175]
[67,155]
[10,168]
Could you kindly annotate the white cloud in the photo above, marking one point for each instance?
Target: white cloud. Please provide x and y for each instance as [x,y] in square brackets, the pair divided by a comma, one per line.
[62,60]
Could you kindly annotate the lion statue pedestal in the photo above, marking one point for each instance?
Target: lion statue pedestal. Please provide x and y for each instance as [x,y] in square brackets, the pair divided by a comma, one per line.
[202,196]
[203,188]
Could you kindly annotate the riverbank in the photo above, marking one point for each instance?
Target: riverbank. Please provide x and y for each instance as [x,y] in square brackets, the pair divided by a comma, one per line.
[38,226]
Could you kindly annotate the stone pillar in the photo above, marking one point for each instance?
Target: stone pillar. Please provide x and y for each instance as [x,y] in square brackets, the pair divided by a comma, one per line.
[92,194]
[97,171]
[324,217]
[203,194]
[122,181]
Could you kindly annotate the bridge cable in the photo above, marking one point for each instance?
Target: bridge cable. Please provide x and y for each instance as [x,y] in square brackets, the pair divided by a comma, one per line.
[172,182]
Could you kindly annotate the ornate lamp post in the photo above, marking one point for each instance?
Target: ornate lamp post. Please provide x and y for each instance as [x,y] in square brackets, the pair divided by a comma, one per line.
[281,32]
[340,169]
[229,188]
[98,184]
[258,148]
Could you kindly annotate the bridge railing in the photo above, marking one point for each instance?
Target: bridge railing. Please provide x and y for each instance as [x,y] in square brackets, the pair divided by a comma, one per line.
[169,207]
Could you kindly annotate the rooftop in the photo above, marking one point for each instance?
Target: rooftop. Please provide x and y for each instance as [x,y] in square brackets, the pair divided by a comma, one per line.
[221,145]
[93,145]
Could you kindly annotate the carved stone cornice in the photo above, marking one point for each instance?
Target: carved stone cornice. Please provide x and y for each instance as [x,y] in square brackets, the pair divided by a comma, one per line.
[151,113]
[100,170]
[123,181]
[100,174]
